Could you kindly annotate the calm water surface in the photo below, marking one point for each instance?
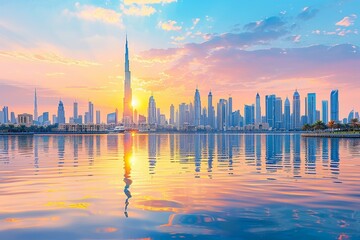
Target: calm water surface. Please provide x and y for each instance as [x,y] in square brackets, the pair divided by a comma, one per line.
[160,186]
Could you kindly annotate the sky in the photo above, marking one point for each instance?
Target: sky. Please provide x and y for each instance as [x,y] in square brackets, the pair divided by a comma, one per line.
[74,51]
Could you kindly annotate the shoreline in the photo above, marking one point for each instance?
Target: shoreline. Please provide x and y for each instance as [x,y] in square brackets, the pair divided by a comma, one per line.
[332,135]
[147,132]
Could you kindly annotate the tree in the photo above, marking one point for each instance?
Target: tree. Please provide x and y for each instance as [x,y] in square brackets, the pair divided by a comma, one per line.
[306,127]
[319,125]
[354,123]
[331,125]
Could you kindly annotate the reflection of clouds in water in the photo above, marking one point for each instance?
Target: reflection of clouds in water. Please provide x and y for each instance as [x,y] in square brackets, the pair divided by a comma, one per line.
[160,205]
[194,224]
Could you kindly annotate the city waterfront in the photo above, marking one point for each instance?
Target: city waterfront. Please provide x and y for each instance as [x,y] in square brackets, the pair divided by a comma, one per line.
[161,186]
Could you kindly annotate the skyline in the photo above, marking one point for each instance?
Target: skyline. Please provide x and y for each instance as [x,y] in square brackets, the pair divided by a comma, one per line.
[224,58]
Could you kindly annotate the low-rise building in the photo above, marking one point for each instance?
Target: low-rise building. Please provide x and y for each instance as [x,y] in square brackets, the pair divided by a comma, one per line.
[25,119]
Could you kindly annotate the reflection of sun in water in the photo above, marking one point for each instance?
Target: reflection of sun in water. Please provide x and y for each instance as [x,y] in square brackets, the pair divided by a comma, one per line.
[135,103]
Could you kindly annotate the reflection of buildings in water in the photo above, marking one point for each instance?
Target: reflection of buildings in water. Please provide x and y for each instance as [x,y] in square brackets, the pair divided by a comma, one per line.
[222,148]
[197,153]
[61,148]
[353,145]
[310,155]
[127,169]
[274,146]
[211,150]
[250,149]
[232,141]
[172,147]
[4,149]
[226,144]
[98,145]
[13,143]
[287,156]
[45,143]
[186,150]
[334,156]
[152,150]
[325,152]
[112,143]
[36,153]
[61,152]
[89,145]
[76,140]
[25,144]
[258,152]
[296,154]
[279,143]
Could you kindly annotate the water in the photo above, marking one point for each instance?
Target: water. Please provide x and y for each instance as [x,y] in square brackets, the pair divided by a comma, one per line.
[161,186]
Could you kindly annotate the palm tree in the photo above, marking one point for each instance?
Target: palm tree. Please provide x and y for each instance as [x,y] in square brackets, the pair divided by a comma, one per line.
[331,125]
[306,127]
[319,125]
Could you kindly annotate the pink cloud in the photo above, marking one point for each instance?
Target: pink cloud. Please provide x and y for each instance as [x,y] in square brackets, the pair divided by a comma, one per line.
[347,21]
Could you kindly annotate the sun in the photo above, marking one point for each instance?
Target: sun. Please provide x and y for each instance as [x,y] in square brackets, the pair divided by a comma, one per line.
[134,103]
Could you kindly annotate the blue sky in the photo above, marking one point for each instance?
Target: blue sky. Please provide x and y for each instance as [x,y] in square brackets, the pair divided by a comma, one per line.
[176,45]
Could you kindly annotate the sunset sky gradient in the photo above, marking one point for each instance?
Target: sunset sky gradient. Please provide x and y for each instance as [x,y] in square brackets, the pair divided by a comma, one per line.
[75,51]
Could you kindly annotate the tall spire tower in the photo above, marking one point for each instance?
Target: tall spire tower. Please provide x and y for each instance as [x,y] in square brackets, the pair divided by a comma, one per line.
[128,112]
[35,107]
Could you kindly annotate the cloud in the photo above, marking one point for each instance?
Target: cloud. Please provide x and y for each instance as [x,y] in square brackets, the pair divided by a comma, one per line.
[95,14]
[170,25]
[224,62]
[138,10]
[195,22]
[295,38]
[307,13]
[55,74]
[129,2]
[269,24]
[347,21]
[47,57]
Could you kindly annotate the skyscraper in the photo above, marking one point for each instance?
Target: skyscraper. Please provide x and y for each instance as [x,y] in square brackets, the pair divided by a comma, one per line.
[1,117]
[249,112]
[222,115]
[128,111]
[75,111]
[229,112]
[152,111]
[158,115]
[278,113]
[91,113]
[172,114]
[46,119]
[258,109]
[270,110]
[287,120]
[325,111]
[6,114]
[98,119]
[211,117]
[296,110]
[13,118]
[35,107]
[197,106]
[311,107]
[61,113]
[204,116]
[334,105]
